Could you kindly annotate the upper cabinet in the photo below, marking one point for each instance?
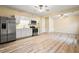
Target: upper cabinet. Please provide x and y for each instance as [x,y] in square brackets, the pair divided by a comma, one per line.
[22,22]
[26,22]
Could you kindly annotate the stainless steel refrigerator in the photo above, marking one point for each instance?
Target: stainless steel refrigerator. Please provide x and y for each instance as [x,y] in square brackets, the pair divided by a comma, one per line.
[7,29]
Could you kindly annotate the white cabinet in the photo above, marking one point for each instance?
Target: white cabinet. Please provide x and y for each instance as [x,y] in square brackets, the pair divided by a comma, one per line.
[20,33]
[24,32]
[29,32]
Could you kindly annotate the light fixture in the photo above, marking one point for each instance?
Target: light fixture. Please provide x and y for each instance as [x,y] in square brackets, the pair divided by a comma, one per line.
[41,8]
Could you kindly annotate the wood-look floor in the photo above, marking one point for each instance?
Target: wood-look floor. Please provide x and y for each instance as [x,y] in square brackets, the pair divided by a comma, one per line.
[44,43]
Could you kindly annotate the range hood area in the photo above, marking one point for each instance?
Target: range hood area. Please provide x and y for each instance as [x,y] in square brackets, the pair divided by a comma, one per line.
[7,29]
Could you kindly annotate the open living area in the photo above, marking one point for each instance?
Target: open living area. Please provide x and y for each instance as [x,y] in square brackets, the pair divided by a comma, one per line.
[39,28]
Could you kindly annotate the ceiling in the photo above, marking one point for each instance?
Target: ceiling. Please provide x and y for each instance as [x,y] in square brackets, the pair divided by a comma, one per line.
[54,9]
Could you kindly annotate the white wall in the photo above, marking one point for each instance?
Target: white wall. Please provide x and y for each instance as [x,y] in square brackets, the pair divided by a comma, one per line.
[51,24]
[42,25]
[67,24]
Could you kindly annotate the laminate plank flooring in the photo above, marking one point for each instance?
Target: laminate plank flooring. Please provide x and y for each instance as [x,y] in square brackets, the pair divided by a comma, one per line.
[44,43]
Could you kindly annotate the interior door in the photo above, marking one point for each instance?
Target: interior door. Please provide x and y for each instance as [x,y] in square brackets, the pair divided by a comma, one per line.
[46,24]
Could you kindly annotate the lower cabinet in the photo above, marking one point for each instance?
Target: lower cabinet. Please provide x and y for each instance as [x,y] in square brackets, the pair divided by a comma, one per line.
[20,33]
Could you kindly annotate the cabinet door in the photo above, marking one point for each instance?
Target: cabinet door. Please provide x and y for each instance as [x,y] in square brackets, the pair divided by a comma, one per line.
[18,33]
[17,19]
[29,32]
[24,32]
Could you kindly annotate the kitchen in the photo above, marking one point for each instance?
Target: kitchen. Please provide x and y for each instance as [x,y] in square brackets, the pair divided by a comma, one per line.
[44,29]
[19,27]
[23,27]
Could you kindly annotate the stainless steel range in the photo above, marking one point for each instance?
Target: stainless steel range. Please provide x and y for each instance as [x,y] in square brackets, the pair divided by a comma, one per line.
[7,29]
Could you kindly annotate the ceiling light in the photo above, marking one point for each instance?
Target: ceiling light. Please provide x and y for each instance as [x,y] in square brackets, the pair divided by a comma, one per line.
[41,8]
